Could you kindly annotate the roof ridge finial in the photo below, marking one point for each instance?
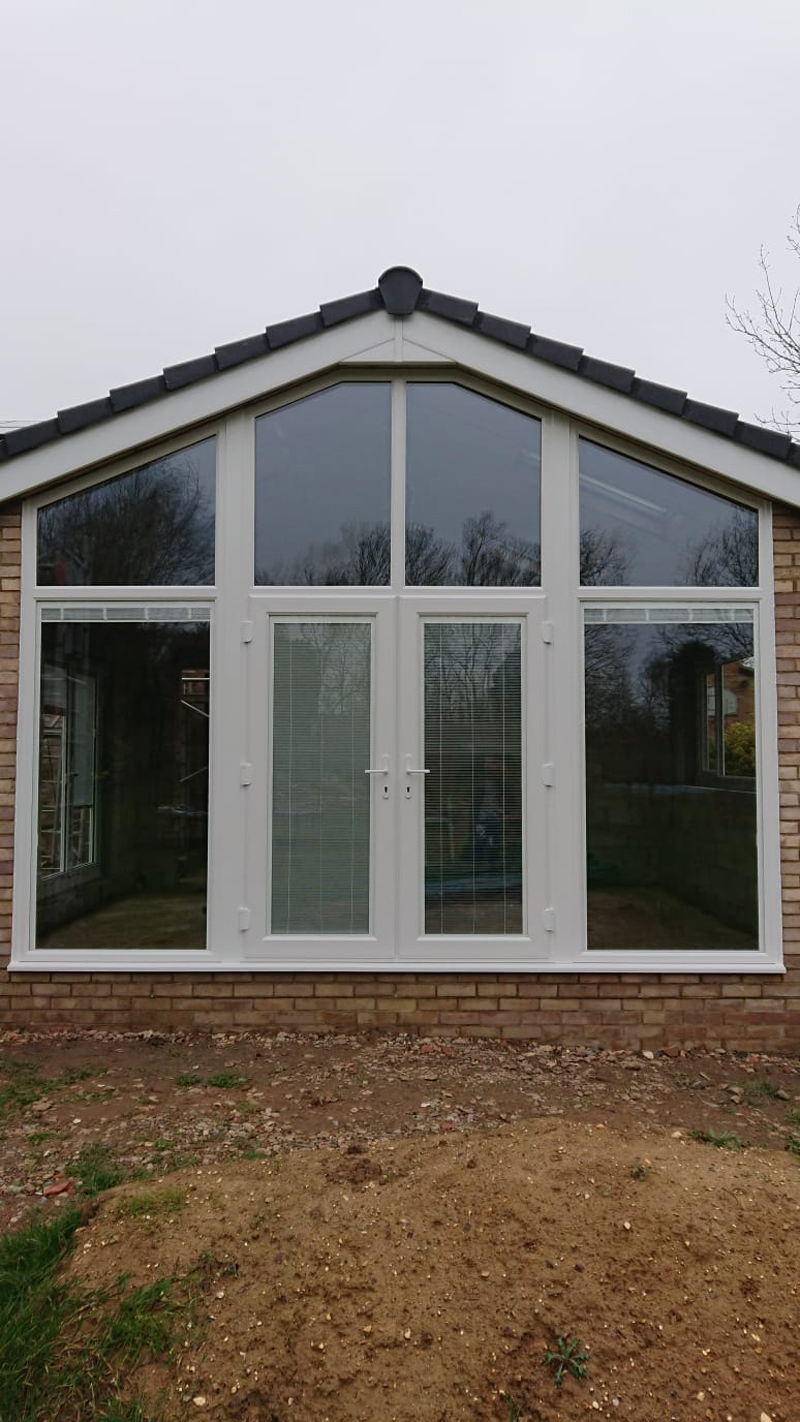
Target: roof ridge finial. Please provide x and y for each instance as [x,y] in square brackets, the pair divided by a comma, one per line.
[400,288]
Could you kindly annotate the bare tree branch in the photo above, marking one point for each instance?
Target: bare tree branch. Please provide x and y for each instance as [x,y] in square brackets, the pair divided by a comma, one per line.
[774,333]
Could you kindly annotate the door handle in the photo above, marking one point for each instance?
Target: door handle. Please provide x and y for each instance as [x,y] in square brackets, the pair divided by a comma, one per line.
[415,769]
[379,769]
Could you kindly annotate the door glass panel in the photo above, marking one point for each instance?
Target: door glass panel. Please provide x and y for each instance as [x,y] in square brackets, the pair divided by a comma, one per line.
[323,489]
[472,490]
[473,792]
[321,735]
[671,805]
[643,528]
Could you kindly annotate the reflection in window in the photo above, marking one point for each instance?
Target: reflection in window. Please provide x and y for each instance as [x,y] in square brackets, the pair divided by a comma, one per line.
[152,527]
[123,785]
[670,789]
[323,489]
[321,738]
[472,491]
[643,528]
[67,770]
[473,791]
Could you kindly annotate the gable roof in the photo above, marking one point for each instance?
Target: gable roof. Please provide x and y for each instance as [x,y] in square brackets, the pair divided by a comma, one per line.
[400,292]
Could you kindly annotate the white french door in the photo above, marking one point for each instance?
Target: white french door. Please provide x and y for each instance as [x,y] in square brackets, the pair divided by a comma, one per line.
[395,800]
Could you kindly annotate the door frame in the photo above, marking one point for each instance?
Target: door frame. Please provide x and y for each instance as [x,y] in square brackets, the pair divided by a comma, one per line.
[298,952]
[449,952]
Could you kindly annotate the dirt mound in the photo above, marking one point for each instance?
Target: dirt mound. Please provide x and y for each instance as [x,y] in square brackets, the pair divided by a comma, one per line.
[422,1281]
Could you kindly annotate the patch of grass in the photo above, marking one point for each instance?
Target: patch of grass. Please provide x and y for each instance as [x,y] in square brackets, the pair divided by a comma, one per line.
[148,1204]
[75,1074]
[33,1306]
[177,1161]
[793,1143]
[141,1323]
[514,1414]
[794,1119]
[566,1357]
[253,1154]
[65,1350]
[211,1266]
[96,1169]
[187,1079]
[724,1140]
[22,1088]
[640,1171]
[761,1087]
[226,1079]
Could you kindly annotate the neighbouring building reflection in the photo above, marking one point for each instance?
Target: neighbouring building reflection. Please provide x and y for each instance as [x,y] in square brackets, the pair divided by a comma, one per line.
[671,809]
[123,785]
[473,792]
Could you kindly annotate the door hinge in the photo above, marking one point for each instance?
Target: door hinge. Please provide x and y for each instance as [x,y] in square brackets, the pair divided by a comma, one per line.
[247,631]
[548,773]
[243,919]
[245,773]
[548,632]
[549,919]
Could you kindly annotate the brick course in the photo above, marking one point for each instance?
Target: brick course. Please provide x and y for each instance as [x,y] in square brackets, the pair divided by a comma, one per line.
[619,1010]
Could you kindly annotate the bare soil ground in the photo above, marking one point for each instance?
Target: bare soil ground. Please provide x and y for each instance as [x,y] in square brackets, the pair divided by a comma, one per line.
[398,1229]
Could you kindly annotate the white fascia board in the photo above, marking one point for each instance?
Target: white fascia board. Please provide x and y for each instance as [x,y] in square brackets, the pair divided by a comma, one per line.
[581,398]
[196,404]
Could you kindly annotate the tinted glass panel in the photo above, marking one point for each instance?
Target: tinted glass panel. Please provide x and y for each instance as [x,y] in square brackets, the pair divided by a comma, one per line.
[473,791]
[320,789]
[642,528]
[123,785]
[670,783]
[472,491]
[322,488]
[153,526]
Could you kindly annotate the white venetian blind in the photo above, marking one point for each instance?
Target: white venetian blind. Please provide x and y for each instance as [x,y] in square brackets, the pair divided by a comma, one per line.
[321,709]
[473,792]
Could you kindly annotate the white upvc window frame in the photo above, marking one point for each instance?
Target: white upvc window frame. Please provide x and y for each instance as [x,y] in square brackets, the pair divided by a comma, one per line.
[234,601]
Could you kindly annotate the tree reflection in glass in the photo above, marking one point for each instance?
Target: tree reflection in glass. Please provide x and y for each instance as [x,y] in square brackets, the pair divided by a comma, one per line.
[323,489]
[153,526]
[661,531]
[472,491]
[671,823]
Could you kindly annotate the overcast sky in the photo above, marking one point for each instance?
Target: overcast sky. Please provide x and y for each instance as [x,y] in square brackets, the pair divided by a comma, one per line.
[179,173]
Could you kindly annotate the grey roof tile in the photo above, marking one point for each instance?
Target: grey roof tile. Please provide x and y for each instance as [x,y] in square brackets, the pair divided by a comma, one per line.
[555,352]
[400,292]
[766,440]
[602,372]
[189,371]
[295,329]
[711,417]
[237,352]
[664,397]
[453,308]
[126,397]
[511,333]
[77,417]
[334,312]
[29,437]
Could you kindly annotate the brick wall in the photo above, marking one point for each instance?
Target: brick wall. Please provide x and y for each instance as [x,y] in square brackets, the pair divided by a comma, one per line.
[625,1009]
